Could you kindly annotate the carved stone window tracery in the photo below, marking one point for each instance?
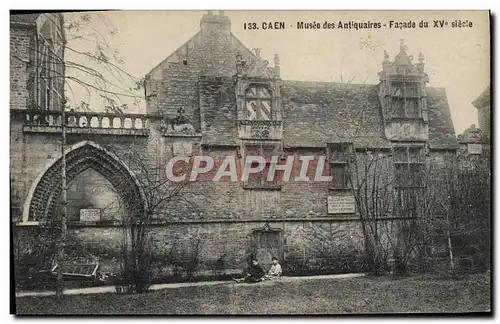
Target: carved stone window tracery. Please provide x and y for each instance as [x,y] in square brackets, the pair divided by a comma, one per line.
[258,103]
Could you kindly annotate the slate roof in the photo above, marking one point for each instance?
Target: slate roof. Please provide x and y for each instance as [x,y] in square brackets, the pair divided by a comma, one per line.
[316,113]
[441,130]
[483,99]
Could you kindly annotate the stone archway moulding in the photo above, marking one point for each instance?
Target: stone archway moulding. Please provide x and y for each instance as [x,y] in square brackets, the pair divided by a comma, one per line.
[93,148]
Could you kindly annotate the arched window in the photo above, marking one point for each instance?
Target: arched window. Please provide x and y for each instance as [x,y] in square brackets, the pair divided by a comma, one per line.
[258,101]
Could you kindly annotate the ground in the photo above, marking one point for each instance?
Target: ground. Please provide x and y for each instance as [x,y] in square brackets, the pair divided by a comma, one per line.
[320,296]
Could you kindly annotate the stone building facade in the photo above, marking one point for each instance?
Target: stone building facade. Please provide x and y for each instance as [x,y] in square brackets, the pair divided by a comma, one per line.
[36,84]
[238,105]
[213,96]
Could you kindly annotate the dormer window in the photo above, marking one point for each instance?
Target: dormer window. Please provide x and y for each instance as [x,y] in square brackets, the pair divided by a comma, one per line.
[404,99]
[258,101]
[402,87]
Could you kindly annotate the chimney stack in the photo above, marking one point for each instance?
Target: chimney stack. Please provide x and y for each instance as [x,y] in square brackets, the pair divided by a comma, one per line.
[211,24]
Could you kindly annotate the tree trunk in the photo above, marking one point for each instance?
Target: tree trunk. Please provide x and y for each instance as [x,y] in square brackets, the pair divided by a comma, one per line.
[62,238]
[450,250]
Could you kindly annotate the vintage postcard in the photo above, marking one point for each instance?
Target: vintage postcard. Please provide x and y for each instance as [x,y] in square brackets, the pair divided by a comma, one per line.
[250,162]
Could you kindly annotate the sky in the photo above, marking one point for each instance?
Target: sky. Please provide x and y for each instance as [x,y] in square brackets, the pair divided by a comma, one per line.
[457,59]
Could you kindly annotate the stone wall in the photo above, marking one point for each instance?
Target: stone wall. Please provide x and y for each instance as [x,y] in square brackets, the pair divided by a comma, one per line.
[484,119]
[21,69]
[29,155]
[221,214]
[231,200]
[304,244]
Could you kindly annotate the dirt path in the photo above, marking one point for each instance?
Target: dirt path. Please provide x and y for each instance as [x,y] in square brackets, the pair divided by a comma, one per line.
[111,289]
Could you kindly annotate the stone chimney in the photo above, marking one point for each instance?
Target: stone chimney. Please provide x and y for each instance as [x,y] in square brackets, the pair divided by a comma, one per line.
[211,24]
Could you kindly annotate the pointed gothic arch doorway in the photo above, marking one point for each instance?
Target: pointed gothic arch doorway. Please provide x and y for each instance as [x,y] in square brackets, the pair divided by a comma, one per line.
[43,200]
[267,242]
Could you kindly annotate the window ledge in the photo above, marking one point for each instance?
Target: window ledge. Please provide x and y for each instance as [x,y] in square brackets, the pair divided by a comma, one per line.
[262,187]
[333,188]
[28,223]
[407,118]
[409,187]
[95,223]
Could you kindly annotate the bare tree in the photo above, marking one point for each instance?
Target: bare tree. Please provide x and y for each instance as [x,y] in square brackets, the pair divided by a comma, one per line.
[159,192]
[387,192]
[78,56]
[94,69]
[456,225]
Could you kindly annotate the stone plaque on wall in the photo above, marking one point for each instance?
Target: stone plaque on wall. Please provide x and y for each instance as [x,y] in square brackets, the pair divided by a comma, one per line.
[341,205]
[474,148]
[90,215]
[182,148]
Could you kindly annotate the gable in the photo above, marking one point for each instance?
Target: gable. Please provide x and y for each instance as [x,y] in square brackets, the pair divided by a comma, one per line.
[206,57]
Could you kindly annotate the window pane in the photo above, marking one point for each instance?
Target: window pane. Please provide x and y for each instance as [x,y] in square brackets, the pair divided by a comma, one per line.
[416,175]
[278,174]
[406,89]
[264,93]
[396,89]
[251,109]
[400,154]
[398,107]
[411,108]
[416,155]
[49,96]
[339,176]
[411,89]
[43,94]
[400,175]
[337,153]
[254,176]
[265,109]
[251,92]
[258,103]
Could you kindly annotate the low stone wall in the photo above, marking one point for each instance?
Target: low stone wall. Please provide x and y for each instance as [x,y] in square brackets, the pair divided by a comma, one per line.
[218,248]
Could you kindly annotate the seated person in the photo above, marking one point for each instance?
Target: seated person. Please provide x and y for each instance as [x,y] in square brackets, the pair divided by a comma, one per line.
[275,271]
[254,275]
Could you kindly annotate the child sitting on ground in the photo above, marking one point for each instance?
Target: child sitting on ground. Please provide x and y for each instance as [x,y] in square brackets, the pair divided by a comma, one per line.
[275,271]
[254,275]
